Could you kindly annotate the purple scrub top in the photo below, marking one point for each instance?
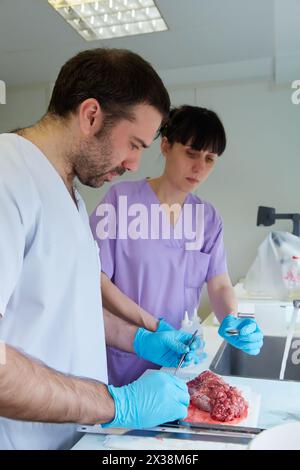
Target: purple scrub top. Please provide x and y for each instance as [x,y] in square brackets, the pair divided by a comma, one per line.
[160,275]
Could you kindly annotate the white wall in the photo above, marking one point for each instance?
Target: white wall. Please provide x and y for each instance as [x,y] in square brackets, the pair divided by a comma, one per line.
[261,165]
[24,106]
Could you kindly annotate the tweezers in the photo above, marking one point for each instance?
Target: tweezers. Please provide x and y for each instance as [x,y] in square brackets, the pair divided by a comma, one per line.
[185,354]
[235,332]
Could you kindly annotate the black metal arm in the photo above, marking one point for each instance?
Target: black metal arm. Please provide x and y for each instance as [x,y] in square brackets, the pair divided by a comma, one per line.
[266,216]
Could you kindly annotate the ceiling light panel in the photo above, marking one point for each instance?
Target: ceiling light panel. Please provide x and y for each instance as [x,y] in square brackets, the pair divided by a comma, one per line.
[104,19]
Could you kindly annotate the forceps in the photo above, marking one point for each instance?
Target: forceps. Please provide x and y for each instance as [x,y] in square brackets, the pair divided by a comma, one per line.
[234,331]
[185,354]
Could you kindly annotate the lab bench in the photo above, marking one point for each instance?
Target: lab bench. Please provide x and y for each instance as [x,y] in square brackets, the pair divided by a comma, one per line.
[280,403]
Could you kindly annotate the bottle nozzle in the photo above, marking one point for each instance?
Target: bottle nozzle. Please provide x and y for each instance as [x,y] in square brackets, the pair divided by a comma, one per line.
[195,315]
[186,322]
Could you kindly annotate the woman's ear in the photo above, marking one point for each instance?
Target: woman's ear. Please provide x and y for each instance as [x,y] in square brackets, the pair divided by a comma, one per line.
[164,146]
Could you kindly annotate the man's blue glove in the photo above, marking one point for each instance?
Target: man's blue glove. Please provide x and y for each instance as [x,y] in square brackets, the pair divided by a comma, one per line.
[250,339]
[151,400]
[164,326]
[190,358]
[165,348]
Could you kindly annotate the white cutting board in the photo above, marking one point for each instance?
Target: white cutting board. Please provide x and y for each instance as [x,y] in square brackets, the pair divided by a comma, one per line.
[120,442]
[162,443]
[253,398]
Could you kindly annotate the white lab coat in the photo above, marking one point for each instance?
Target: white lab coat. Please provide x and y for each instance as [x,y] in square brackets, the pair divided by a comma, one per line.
[50,295]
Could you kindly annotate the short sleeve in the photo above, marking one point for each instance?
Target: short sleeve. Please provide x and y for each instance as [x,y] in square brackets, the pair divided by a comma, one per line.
[217,262]
[12,244]
[104,225]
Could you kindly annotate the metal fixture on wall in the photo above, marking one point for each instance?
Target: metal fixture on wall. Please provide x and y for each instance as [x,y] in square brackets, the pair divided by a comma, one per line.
[266,216]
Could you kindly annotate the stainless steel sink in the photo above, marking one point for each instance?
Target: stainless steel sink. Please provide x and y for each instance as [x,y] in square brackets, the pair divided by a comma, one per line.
[232,361]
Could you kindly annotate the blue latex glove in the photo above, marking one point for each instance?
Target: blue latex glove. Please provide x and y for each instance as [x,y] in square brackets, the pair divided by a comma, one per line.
[165,348]
[151,400]
[164,326]
[250,339]
[190,357]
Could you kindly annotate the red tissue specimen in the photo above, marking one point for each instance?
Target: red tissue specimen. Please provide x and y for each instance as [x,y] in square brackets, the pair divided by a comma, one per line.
[212,400]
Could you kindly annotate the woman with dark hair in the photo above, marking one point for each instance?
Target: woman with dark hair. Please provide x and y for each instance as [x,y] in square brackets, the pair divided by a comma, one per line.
[156,273]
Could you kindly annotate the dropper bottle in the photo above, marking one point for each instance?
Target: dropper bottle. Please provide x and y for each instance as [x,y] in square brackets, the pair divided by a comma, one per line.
[187,324]
[196,325]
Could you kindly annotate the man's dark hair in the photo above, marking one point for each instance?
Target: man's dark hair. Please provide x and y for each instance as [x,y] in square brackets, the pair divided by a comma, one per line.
[200,127]
[117,78]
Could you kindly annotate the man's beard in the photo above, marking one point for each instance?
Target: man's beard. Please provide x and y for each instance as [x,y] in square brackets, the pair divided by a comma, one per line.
[93,159]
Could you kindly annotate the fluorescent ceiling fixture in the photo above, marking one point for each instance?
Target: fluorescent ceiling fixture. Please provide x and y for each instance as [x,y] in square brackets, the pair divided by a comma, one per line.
[105,19]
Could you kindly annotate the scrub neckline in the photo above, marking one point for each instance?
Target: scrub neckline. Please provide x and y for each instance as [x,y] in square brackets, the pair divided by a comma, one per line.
[155,197]
[78,203]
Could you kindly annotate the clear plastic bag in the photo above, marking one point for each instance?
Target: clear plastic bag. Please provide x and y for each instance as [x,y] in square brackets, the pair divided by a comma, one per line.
[276,269]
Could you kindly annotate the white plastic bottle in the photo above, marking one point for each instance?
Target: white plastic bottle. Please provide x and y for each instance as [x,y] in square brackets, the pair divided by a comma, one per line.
[196,325]
[187,324]
[190,326]
[293,278]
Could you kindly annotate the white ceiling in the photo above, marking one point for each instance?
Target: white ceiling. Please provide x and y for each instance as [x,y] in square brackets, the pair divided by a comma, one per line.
[35,41]
[207,40]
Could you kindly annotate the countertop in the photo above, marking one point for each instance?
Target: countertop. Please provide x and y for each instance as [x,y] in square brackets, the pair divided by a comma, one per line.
[280,401]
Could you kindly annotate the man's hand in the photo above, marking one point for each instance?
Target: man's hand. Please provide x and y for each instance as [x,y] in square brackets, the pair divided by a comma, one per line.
[165,348]
[164,326]
[151,400]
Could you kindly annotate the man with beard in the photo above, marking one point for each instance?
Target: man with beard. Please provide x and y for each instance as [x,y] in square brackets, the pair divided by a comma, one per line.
[106,107]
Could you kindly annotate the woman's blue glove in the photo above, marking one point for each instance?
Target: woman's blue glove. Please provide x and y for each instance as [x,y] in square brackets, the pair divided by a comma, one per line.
[151,400]
[165,348]
[250,339]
